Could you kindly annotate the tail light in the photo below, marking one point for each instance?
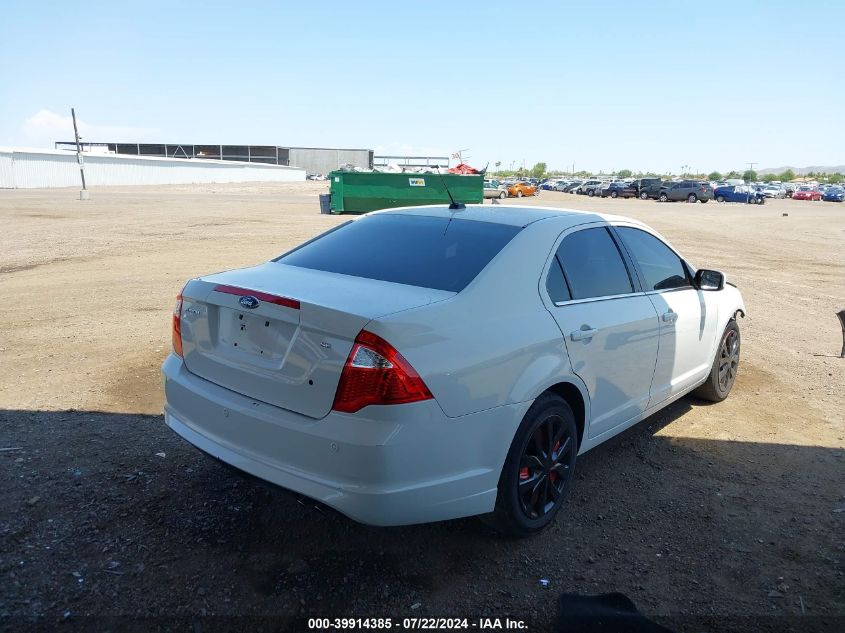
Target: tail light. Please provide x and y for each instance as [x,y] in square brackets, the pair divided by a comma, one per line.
[375,373]
[177,326]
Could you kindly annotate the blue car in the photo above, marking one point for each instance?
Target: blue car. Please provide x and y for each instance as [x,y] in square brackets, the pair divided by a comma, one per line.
[739,193]
[834,194]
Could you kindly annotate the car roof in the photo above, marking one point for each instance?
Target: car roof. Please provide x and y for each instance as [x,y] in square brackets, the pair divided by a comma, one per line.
[513,216]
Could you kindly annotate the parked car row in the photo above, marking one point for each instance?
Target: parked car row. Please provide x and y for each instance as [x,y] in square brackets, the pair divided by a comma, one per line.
[643,188]
[668,191]
[807,191]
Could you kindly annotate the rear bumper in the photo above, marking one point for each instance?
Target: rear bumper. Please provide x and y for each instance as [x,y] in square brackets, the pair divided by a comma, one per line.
[392,465]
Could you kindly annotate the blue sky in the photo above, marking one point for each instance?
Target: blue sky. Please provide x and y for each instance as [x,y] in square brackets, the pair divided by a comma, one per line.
[610,85]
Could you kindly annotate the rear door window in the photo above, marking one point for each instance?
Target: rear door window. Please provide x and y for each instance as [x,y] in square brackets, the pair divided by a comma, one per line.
[662,269]
[593,265]
[425,251]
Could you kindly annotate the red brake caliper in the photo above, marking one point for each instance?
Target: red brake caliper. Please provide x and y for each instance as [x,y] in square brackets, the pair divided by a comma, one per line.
[523,473]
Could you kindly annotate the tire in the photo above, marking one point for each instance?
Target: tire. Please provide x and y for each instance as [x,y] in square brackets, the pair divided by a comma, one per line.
[719,383]
[643,195]
[663,197]
[614,194]
[692,199]
[591,192]
[761,201]
[705,200]
[503,195]
[523,515]
[519,193]
[720,198]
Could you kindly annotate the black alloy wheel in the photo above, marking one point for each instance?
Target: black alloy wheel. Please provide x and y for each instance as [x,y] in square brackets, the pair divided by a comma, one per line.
[544,468]
[538,470]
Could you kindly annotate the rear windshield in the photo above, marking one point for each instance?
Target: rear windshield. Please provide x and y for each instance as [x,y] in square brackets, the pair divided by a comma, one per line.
[422,251]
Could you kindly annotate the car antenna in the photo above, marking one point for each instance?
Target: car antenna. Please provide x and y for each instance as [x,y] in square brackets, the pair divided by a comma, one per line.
[453,206]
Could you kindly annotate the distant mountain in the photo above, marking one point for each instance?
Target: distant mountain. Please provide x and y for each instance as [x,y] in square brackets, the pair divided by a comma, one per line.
[800,171]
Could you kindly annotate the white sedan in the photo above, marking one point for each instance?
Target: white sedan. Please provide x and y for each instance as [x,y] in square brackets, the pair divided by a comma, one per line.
[428,363]
[495,189]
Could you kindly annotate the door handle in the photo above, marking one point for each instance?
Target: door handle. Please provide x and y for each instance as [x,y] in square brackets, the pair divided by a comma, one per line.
[581,335]
[670,317]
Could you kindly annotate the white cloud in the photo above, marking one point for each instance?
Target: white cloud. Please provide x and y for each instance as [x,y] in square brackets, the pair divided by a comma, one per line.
[45,128]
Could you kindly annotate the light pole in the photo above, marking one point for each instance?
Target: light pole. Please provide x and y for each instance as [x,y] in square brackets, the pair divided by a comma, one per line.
[83,194]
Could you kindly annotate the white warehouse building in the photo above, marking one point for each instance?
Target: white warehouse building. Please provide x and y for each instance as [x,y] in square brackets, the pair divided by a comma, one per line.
[24,168]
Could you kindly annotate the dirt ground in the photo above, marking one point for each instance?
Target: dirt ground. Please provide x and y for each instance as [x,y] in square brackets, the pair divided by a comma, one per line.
[710,517]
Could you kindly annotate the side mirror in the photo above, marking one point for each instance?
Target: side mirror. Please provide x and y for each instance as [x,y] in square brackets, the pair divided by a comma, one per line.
[709,279]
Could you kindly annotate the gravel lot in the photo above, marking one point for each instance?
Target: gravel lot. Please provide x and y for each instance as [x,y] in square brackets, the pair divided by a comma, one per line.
[710,517]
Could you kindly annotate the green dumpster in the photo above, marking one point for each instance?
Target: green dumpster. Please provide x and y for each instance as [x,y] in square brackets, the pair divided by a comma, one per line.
[360,192]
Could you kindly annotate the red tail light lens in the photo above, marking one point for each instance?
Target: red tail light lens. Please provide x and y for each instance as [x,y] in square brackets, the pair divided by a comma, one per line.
[375,373]
[177,326]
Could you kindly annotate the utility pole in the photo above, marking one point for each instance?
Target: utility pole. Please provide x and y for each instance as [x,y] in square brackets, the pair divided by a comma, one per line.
[83,195]
[751,166]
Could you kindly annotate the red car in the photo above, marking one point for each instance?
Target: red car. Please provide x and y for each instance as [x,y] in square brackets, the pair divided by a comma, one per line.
[805,192]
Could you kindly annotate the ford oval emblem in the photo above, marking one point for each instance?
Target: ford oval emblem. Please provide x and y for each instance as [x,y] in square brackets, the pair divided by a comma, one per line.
[249,302]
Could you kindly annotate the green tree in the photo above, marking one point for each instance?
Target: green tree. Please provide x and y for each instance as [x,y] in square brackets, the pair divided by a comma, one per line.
[624,173]
[769,177]
[835,179]
[749,175]
[786,176]
[714,175]
[732,174]
[538,170]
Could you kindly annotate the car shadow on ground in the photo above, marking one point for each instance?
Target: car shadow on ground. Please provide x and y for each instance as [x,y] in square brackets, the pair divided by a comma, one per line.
[114,514]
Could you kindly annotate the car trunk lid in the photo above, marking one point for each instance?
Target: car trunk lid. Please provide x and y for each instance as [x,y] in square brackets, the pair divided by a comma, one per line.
[281,334]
